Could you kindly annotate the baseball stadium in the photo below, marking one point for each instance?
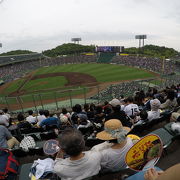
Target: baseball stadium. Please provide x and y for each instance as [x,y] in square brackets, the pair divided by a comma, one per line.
[89,90]
[36,82]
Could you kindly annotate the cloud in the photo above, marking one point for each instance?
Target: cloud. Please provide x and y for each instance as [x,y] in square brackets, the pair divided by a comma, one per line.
[44,24]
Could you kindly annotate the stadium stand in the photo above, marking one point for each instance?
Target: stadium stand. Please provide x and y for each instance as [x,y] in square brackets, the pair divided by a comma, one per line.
[14,70]
[160,126]
[19,58]
[152,64]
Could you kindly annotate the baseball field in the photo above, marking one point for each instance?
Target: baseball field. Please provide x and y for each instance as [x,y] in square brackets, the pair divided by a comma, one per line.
[71,76]
[55,83]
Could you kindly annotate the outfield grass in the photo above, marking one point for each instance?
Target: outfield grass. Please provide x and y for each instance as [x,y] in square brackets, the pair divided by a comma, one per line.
[102,72]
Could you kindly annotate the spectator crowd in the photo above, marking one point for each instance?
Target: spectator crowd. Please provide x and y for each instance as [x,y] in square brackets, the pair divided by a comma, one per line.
[94,139]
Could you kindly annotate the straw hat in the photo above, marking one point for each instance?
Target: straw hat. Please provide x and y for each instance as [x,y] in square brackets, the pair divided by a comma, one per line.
[113,129]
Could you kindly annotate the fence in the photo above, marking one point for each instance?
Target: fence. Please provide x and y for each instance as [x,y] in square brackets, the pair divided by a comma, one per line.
[97,94]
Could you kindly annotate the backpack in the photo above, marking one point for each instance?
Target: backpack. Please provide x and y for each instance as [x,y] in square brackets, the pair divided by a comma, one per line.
[8,165]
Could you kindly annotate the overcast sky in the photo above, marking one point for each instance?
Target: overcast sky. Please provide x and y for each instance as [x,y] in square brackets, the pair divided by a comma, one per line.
[43,24]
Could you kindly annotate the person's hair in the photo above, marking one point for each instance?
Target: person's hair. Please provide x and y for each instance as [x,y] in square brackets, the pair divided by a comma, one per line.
[46,113]
[5,110]
[86,107]
[99,109]
[106,103]
[139,100]
[72,142]
[107,110]
[30,112]
[77,108]
[116,108]
[64,110]
[73,109]
[143,115]
[170,94]
[130,99]
[20,117]
[92,107]
[41,112]
[178,101]
[155,91]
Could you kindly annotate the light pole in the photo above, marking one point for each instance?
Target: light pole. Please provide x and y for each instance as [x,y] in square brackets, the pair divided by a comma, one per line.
[141,37]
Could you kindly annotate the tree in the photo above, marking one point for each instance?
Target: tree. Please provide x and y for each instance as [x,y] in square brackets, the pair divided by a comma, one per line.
[68,49]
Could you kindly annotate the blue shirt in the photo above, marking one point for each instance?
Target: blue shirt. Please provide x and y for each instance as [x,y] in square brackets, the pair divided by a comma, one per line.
[50,121]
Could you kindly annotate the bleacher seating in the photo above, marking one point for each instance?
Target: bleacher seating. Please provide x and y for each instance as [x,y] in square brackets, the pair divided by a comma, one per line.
[19,58]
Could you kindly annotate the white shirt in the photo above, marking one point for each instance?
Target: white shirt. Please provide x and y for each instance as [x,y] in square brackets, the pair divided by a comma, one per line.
[4,120]
[131,109]
[31,119]
[8,115]
[40,118]
[114,159]
[153,115]
[87,166]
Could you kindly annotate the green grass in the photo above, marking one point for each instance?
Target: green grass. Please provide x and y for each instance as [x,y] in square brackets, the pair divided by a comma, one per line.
[44,83]
[13,87]
[102,72]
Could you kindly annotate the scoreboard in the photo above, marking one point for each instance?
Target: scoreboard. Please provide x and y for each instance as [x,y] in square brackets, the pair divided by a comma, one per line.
[114,49]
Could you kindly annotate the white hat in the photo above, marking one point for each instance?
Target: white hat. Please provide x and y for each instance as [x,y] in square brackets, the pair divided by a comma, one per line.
[115,102]
[155,104]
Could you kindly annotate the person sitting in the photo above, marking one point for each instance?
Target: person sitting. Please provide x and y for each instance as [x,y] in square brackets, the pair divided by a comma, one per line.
[131,109]
[49,121]
[117,113]
[171,101]
[40,116]
[99,115]
[79,164]
[6,139]
[155,111]
[5,110]
[143,118]
[65,112]
[65,117]
[31,119]
[89,111]
[75,116]
[3,119]
[22,123]
[113,158]
[85,126]
[176,114]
